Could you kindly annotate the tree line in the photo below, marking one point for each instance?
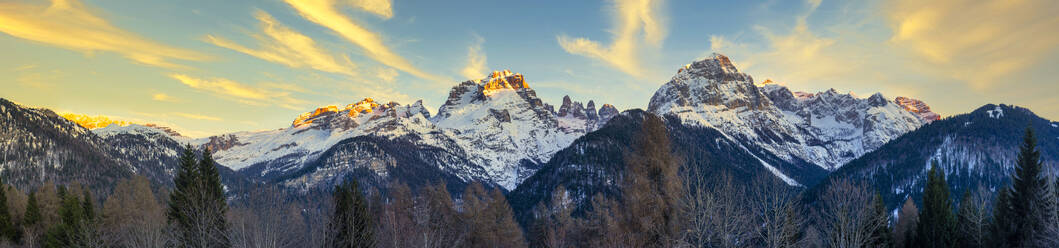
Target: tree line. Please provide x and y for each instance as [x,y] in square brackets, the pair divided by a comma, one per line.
[660,204]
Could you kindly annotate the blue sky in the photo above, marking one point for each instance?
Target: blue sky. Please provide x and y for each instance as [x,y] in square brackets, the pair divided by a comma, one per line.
[208,67]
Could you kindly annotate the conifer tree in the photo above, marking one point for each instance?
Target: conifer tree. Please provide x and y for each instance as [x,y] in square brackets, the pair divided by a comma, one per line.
[32,210]
[881,237]
[31,220]
[904,230]
[196,206]
[67,233]
[1004,224]
[7,226]
[87,208]
[936,222]
[350,224]
[652,188]
[504,228]
[214,200]
[1028,206]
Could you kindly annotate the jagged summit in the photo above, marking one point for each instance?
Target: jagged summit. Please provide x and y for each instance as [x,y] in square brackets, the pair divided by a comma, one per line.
[716,64]
[93,122]
[826,128]
[499,80]
[576,117]
[357,113]
[917,107]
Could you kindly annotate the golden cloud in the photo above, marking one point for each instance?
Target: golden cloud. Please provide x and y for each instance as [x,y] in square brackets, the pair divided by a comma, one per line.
[325,13]
[241,93]
[382,8]
[632,18]
[197,116]
[283,45]
[476,60]
[162,97]
[71,25]
[386,74]
[976,41]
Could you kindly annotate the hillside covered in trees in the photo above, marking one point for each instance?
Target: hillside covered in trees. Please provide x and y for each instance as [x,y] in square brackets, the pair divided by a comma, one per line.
[658,202]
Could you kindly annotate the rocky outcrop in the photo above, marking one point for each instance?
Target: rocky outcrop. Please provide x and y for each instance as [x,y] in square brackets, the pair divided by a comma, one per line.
[918,107]
[826,128]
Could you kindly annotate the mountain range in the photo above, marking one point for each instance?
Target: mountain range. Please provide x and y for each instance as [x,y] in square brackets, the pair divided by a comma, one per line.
[497,131]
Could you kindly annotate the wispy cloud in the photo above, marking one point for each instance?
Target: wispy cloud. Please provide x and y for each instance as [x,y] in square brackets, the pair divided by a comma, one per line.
[285,46]
[197,116]
[162,97]
[71,25]
[382,8]
[326,13]
[797,55]
[386,74]
[976,41]
[476,60]
[634,21]
[240,92]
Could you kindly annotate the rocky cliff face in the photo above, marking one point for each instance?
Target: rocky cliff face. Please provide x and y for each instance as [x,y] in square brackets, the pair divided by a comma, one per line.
[494,130]
[505,127]
[575,117]
[917,107]
[827,128]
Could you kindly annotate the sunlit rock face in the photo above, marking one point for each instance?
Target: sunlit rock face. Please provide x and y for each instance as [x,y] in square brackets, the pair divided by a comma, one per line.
[93,122]
[505,127]
[918,107]
[826,128]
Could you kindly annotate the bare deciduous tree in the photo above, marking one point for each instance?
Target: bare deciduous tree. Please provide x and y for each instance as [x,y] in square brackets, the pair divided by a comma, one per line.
[132,216]
[846,215]
[776,213]
[973,217]
[267,220]
[715,212]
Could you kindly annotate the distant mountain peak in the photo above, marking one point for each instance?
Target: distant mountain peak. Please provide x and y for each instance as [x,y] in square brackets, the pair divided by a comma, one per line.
[367,108]
[715,66]
[94,122]
[500,80]
[827,128]
[917,107]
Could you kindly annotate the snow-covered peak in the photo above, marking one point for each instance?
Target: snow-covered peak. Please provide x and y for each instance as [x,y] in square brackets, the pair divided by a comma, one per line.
[710,82]
[505,127]
[826,128]
[94,122]
[576,117]
[357,113]
[917,107]
[716,64]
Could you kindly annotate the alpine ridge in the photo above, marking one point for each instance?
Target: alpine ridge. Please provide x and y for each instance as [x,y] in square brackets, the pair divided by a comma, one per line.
[493,130]
[826,128]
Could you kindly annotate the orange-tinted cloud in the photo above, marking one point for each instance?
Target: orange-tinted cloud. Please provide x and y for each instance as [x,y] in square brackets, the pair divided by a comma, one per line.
[634,21]
[976,41]
[71,25]
[326,13]
[283,45]
[258,96]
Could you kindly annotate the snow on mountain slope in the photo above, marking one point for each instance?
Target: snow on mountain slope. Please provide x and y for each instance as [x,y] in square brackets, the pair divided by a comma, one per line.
[314,132]
[973,149]
[575,117]
[826,128]
[504,126]
[495,129]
